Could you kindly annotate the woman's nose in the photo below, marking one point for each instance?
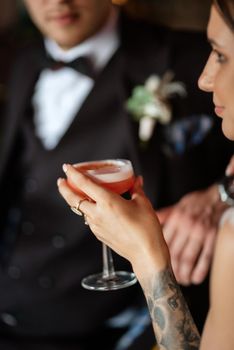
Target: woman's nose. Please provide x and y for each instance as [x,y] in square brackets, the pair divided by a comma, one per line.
[206,79]
[205,82]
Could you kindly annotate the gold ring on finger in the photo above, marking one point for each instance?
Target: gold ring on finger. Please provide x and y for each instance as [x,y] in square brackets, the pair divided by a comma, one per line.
[76,209]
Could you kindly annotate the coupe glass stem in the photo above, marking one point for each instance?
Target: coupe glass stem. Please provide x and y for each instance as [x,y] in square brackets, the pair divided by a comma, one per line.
[108,265]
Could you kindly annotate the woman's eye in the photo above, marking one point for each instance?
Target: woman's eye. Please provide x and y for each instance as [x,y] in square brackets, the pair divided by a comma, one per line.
[220,58]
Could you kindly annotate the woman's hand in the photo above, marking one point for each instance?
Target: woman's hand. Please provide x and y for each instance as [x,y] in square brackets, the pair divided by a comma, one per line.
[130,227]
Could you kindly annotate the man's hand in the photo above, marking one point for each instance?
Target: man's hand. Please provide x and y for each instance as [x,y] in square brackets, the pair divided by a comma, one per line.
[190,228]
[230,167]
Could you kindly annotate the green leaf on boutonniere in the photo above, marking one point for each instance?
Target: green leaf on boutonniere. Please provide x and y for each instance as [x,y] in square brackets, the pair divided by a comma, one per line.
[149,103]
[137,102]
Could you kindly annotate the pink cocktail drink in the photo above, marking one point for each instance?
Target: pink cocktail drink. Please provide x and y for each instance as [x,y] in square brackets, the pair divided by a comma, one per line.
[114,174]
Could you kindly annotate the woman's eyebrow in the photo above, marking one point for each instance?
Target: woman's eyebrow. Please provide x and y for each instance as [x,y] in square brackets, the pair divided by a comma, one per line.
[215,43]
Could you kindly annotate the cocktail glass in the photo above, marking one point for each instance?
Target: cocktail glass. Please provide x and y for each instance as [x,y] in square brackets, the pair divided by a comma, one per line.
[116,175]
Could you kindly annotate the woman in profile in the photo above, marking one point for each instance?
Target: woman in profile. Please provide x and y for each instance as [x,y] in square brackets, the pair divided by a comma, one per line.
[131,228]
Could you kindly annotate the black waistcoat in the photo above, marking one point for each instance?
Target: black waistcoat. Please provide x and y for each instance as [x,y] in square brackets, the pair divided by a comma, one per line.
[40,283]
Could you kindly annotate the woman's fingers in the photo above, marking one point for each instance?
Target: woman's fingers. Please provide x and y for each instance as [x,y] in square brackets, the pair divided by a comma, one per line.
[73,199]
[84,183]
[93,190]
[137,188]
[67,193]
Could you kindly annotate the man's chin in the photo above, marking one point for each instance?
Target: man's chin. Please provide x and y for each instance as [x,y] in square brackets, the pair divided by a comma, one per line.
[67,42]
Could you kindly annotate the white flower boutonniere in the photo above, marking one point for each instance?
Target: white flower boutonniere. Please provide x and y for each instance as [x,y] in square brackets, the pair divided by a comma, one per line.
[149,102]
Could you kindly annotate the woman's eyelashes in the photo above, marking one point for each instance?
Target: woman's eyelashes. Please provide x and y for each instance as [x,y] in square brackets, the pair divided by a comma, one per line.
[220,58]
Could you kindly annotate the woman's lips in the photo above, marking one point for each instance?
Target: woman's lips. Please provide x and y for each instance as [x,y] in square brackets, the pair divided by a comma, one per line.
[219,110]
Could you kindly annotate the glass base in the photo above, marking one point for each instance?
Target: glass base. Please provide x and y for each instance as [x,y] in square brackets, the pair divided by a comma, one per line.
[121,279]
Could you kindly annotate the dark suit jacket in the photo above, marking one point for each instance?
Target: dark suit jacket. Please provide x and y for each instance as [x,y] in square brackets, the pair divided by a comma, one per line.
[39,278]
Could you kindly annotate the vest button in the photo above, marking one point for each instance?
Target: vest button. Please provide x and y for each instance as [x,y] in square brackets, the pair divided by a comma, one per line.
[14,272]
[45,282]
[14,215]
[9,319]
[30,185]
[27,227]
[58,241]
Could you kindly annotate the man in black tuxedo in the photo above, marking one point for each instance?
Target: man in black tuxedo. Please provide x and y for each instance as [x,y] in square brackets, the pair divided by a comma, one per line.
[57,114]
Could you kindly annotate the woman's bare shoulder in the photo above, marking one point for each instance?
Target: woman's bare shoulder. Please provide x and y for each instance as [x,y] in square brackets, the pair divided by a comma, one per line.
[221,314]
[223,262]
[225,237]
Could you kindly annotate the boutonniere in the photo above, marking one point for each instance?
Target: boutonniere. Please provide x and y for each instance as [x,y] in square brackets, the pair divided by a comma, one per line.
[149,103]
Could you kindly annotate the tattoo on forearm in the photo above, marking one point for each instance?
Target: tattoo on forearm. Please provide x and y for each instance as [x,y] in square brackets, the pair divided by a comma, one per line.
[173,324]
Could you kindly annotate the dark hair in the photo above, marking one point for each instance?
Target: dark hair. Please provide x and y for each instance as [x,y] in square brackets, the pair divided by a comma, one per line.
[226,9]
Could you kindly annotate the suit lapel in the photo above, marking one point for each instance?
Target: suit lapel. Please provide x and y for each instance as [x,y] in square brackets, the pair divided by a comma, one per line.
[146,53]
[20,91]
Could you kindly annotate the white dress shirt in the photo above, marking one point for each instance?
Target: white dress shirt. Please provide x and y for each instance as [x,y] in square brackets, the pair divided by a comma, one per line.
[59,94]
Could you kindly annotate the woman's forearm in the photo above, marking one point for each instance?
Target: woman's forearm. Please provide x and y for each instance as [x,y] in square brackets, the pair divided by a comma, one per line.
[172,322]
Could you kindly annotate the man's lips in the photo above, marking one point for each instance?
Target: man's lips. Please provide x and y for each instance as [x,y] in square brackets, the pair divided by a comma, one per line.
[64,19]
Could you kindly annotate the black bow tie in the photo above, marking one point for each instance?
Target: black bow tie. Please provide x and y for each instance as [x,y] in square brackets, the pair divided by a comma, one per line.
[82,65]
